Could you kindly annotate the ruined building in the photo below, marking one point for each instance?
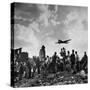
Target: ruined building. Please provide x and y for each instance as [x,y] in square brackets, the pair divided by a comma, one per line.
[42,53]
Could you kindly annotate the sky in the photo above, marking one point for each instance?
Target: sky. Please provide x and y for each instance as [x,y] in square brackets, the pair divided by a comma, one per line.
[43,24]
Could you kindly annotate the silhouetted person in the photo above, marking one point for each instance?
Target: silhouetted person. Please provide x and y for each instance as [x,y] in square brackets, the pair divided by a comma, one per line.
[68,56]
[62,52]
[50,65]
[84,62]
[68,62]
[21,71]
[77,62]
[61,65]
[54,57]
[26,70]
[29,68]
[38,64]
[54,62]
[16,71]
[58,63]
[72,57]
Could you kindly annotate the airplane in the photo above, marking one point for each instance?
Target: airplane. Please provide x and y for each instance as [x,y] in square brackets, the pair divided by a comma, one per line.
[63,42]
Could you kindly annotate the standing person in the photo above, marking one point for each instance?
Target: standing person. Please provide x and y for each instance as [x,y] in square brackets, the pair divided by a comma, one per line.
[84,63]
[21,71]
[61,65]
[67,62]
[38,65]
[29,68]
[47,62]
[50,65]
[63,54]
[72,57]
[77,63]
[54,58]
[58,64]
[26,70]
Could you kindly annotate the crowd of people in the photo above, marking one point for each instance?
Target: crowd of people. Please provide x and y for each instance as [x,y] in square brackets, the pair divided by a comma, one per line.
[68,62]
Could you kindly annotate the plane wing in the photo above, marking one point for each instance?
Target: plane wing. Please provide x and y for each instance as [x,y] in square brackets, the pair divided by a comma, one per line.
[67,40]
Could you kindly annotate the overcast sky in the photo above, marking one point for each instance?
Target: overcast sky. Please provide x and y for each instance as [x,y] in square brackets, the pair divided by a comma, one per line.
[37,25]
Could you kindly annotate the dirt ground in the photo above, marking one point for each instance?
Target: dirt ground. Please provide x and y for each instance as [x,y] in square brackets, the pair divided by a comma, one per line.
[60,78]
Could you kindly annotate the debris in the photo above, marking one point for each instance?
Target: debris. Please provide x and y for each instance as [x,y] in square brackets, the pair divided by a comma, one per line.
[52,79]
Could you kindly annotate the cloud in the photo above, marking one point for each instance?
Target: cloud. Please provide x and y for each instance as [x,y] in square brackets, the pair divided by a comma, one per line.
[75,16]
[26,34]
[26,37]
[26,12]
[54,22]
[76,28]
[35,26]
[38,24]
[71,17]
[49,33]
[48,14]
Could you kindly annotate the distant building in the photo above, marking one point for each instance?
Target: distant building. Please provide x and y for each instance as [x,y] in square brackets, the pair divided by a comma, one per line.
[18,55]
[23,56]
[42,53]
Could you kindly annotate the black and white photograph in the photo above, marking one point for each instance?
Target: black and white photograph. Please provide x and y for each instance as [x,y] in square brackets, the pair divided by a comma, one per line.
[49,45]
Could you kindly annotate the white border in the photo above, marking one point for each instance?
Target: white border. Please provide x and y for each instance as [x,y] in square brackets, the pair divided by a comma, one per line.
[5,42]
